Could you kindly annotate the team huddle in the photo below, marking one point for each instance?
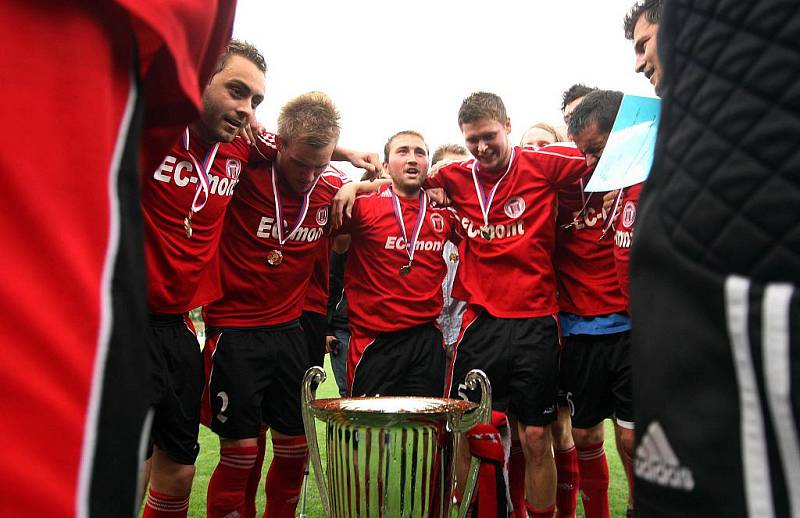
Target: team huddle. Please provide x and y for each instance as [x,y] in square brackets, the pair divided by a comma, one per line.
[490,256]
[242,222]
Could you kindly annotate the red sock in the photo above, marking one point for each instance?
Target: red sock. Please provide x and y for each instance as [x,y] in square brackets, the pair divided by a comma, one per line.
[567,485]
[227,484]
[540,513]
[285,476]
[516,479]
[160,505]
[594,480]
[253,481]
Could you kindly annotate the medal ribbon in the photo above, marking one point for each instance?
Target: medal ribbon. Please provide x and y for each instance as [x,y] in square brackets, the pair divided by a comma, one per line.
[610,221]
[398,216]
[486,204]
[279,209]
[202,172]
[585,201]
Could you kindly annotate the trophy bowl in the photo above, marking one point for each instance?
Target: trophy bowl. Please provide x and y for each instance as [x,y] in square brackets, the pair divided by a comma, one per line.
[390,456]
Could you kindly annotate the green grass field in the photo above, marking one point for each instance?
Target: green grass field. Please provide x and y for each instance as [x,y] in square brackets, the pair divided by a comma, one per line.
[209,455]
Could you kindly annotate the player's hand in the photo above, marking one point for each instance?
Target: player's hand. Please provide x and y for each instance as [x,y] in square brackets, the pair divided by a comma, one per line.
[434,169]
[250,131]
[370,162]
[332,345]
[439,197]
[342,204]
[608,201]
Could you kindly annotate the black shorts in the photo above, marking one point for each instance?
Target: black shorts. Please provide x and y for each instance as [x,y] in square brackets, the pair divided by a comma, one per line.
[315,327]
[255,378]
[596,375]
[410,362]
[520,356]
[177,380]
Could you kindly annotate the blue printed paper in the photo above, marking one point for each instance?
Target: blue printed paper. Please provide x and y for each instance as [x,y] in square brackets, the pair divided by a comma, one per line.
[628,155]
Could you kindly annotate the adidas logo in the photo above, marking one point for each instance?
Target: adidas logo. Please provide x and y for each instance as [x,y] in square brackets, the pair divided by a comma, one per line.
[657,463]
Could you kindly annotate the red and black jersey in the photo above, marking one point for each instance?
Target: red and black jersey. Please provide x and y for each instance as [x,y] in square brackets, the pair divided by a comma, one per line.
[73,298]
[257,293]
[380,298]
[182,271]
[584,260]
[511,275]
[623,237]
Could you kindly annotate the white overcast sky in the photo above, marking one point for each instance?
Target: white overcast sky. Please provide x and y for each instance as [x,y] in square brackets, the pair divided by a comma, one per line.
[391,66]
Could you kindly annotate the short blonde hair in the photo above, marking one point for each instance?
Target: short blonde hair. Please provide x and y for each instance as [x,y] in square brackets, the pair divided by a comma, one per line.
[310,118]
[557,133]
[448,149]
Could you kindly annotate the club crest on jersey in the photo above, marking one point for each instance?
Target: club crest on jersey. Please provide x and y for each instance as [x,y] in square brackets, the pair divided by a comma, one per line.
[438,222]
[322,215]
[629,214]
[233,167]
[514,207]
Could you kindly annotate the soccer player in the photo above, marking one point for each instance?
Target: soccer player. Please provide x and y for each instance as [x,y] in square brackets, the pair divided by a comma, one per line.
[100,77]
[271,235]
[505,198]
[595,365]
[641,26]
[571,98]
[183,202]
[540,135]
[715,269]
[393,280]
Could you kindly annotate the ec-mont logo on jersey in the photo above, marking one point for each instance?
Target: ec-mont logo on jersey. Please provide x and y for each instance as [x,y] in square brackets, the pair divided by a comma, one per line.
[233,168]
[514,207]
[629,214]
[437,221]
[182,174]
[322,215]
[268,230]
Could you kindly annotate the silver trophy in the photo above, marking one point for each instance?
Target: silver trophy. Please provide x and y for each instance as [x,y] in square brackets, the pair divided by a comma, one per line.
[391,456]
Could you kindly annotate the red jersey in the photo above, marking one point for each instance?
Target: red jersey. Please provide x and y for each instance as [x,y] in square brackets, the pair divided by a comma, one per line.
[72,295]
[623,237]
[257,293]
[316,299]
[182,272]
[584,258]
[510,275]
[379,297]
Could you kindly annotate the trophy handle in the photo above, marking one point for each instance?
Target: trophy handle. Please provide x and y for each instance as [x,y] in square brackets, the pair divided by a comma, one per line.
[314,375]
[483,414]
